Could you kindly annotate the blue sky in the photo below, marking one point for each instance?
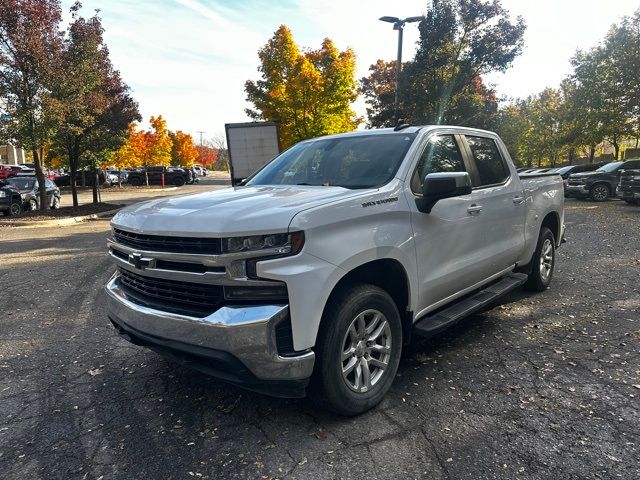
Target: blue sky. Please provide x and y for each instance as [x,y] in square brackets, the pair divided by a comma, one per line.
[188,59]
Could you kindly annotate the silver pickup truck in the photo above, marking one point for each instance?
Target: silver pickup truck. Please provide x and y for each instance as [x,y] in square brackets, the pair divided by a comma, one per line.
[316,272]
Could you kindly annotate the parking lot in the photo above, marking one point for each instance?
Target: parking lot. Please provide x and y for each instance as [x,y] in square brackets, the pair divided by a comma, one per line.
[541,386]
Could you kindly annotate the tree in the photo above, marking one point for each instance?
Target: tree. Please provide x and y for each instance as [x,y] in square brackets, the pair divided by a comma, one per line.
[30,42]
[156,146]
[129,154]
[183,150]
[92,102]
[307,94]
[460,42]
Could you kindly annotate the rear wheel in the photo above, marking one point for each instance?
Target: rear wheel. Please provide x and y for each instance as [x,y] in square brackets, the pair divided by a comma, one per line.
[542,262]
[55,203]
[135,181]
[33,204]
[599,192]
[358,350]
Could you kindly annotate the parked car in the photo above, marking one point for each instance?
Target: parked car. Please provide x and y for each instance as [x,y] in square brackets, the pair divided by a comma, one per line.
[28,188]
[6,171]
[198,170]
[331,257]
[629,186]
[10,199]
[172,176]
[600,184]
[565,172]
[64,179]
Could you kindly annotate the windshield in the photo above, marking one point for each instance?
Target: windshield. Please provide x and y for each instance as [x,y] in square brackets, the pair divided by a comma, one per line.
[362,161]
[609,167]
[22,183]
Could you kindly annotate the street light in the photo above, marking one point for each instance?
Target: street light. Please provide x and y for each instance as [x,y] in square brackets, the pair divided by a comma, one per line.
[398,24]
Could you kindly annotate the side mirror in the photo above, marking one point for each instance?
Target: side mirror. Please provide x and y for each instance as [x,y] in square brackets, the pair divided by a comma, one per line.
[438,186]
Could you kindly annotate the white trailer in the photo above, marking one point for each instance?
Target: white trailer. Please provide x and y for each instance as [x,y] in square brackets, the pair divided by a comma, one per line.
[251,145]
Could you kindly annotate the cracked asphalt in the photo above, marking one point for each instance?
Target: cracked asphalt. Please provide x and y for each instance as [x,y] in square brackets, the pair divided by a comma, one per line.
[541,386]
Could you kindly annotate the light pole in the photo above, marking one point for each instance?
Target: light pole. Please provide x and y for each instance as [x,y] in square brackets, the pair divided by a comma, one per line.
[398,24]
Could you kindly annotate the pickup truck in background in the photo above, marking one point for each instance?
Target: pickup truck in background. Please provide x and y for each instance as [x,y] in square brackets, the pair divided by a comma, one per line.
[314,274]
[629,187]
[601,184]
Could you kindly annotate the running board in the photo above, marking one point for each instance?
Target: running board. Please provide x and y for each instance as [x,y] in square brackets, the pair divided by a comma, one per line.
[442,319]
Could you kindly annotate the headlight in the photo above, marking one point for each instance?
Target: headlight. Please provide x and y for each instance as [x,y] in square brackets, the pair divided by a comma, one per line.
[3,194]
[636,178]
[281,243]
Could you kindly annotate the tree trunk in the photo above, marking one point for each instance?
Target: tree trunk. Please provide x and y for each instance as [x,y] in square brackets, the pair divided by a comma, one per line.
[616,147]
[592,152]
[73,165]
[94,172]
[37,161]
[146,177]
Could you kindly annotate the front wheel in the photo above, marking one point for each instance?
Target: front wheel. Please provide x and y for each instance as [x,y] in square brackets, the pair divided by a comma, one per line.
[543,262]
[15,209]
[178,181]
[599,192]
[359,349]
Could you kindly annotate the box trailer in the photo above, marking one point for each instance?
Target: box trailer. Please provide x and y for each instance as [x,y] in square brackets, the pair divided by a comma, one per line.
[251,145]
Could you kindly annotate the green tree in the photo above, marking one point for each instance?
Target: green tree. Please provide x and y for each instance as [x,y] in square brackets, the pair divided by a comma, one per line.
[460,42]
[30,42]
[307,94]
[93,105]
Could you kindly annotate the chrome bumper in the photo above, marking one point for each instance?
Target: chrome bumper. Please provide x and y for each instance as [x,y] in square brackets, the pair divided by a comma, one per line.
[246,332]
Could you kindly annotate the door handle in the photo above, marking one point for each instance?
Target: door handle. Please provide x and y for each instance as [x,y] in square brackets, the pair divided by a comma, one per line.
[518,199]
[473,209]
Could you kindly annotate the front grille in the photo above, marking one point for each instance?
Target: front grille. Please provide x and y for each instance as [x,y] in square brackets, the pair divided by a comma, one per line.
[161,243]
[172,296]
[576,182]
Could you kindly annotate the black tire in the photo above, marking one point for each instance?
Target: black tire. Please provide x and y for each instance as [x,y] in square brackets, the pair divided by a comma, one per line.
[600,192]
[538,281]
[15,208]
[178,181]
[33,204]
[335,390]
[55,203]
[135,182]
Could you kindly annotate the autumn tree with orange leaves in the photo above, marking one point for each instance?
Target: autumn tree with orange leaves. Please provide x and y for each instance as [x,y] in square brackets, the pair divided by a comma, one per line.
[308,94]
[183,151]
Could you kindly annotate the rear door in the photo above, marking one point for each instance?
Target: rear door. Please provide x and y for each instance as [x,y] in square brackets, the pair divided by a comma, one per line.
[499,194]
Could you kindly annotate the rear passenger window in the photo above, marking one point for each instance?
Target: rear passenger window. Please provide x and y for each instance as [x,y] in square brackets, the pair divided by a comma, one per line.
[632,165]
[440,155]
[489,162]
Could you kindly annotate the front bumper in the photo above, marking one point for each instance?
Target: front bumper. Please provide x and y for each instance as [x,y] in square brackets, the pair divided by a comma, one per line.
[579,190]
[235,343]
[627,194]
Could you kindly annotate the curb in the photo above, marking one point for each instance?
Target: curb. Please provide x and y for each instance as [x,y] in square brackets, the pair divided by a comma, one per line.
[62,221]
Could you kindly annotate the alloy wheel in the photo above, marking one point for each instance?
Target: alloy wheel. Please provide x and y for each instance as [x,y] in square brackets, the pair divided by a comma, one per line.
[366,350]
[546,260]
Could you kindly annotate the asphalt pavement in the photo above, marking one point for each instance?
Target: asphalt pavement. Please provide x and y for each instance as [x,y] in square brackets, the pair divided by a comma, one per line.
[543,386]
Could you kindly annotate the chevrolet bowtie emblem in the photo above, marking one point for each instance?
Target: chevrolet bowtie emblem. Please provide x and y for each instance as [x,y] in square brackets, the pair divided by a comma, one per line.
[139,262]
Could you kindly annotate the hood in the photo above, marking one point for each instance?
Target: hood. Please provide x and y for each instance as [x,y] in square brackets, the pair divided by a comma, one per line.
[231,211]
[585,174]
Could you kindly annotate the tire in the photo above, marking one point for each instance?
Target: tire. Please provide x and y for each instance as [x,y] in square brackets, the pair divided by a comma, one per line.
[55,203]
[135,181]
[33,204]
[353,392]
[542,262]
[178,181]
[14,209]
[600,192]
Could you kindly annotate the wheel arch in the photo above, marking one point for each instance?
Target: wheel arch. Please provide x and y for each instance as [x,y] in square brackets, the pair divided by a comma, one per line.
[552,222]
[388,274]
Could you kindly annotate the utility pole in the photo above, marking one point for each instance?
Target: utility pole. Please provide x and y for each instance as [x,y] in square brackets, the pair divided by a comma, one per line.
[398,25]
[201,134]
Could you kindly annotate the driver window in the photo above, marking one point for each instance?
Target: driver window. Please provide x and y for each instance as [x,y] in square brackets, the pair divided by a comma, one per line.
[440,155]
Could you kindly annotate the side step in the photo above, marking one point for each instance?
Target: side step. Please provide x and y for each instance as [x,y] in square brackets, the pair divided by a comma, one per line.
[442,319]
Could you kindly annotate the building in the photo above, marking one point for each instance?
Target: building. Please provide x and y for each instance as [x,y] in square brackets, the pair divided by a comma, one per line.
[11,155]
